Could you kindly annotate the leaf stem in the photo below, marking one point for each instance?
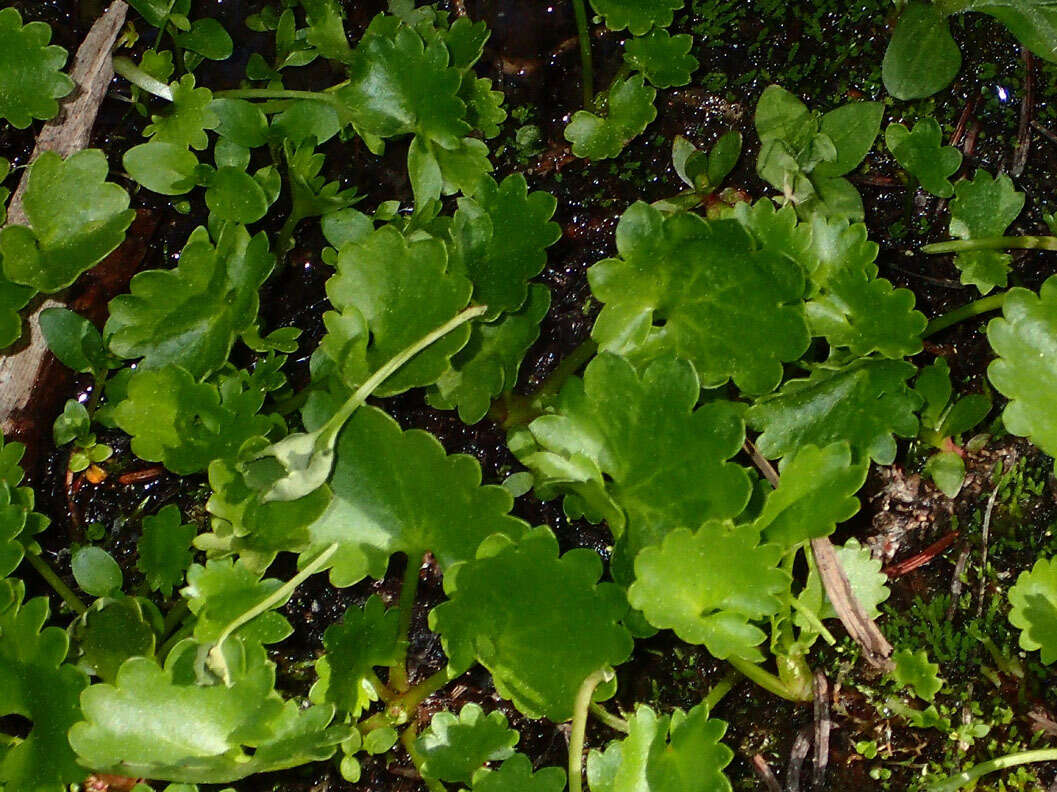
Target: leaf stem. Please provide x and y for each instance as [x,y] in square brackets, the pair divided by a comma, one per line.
[719,690]
[277,596]
[514,409]
[52,579]
[812,619]
[960,780]
[405,610]
[993,243]
[587,73]
[765,679]
[135,75]
[975,308]
[608,718]
[579,726]
[271,93]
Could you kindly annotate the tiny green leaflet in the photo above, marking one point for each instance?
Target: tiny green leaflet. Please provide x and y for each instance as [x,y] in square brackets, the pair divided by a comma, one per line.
[665,60]
[913,669]
[455,746]
[1033,603]
[984,207]
[921,152]
[164,549]
[629,110]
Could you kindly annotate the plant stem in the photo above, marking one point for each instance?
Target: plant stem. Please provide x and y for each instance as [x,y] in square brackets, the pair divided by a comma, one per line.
[427,687]
[608,718]
[975,308]
[135,75]
[272,93]
[812,619]
[579,727]
[993,243]
[958,781]
[279,595]
[53,580]
[587,71]
[405,609]
[719,690]
[765,679]
[174,617]
[172,640]
[513,409]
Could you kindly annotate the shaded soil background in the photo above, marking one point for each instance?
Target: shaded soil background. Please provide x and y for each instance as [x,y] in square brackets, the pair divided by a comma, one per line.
[826,51]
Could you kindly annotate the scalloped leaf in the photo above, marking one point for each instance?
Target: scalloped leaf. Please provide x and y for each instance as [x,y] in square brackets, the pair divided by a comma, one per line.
[664,59]
[680,752]
[489,362]
[190,316]
[223,590]
[703,291]
[538,663]
[64,238]
[923,154]
[515,775]
[398,492]
[164,549]
[709,585]
[913,669]
[868,583]
[1024,338]
[35,684]
[1033,609]
[864,403]
[638,16]
[31,77]
[633,450]
[188,119]
[454,747]
[396,291]
[984,207]
[161,723]
[366,637]
[816,491]
[629,111]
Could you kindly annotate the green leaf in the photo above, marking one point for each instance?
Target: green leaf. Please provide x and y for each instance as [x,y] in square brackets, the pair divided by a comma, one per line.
[71,423]
[401,85]
[326,29]
[74,340]
[190,316]
[35,684]
[235,196]
[96,571]
[852,128]
[629,111]
[913,669]
[723,157]
[186,424]
[922,58]
[515,775]
[638,16]
[984,207]
[500,237]
[243,122]
[12,524]
[221,591]
[112,631]
[489,362]
[164,549]
[399,290]
[947,469]
[1033,22]
[966,413]
[1024,337]
[816,491]
[484,107]
[540,664]
[709,585]
[164,168]
[782,116]
[191,115]
[633,450]
[156,12]
[208,38]
[31,77]
[1033,609]
[680,752]
[454,747]
[868,583]
[700,290]
[856,309]
[364,639]
[398,492]
[665,60]
[159,723]
[305,119]
[933,385]
[864,402]
[65,237]
[923,154]
[13,298]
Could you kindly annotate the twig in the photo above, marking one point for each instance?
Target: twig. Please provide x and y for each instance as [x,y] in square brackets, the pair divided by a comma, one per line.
[762,464]
[985,533]
[765,773]
[823,726]
[922,558]
[139,476]
[1046,133]
[956,582]
[1027,111]
[799,752]
[963,120]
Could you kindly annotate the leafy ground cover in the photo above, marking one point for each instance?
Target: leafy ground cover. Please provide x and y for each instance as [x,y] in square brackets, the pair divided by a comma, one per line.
[530,398]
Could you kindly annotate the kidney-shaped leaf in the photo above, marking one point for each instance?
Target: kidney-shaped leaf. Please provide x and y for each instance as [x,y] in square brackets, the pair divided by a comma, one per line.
[1033,602]
[31,77]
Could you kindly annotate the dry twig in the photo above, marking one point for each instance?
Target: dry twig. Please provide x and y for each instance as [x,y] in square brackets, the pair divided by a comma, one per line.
[765,773]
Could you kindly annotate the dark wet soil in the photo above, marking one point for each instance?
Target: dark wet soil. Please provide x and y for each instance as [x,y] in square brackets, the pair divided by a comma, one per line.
[826,54]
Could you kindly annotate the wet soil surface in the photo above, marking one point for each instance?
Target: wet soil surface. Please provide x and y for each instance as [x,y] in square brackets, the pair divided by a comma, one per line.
[828,53]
